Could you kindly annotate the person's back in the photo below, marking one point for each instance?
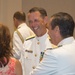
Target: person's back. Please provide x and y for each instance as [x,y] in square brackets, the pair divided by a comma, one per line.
[59,61]
[12,68]
[35,46]
[66,61]
[8,65]
[21,33]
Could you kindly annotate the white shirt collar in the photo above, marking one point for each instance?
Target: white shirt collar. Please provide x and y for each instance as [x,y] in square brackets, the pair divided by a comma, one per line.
[42,38]
[21,25]
[66,41]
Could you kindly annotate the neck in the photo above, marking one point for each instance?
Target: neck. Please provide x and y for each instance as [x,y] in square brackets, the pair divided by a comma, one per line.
[42,33]
[56,41]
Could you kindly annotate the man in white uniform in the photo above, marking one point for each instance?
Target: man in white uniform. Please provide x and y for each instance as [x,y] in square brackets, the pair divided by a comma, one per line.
[59,61]
[21,33]
[35,46]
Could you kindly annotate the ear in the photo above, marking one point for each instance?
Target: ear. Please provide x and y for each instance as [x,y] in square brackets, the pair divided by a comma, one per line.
[46,20]
[57,29]
[15,19]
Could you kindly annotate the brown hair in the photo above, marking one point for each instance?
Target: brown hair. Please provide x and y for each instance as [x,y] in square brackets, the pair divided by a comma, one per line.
[5,49]
[20,16]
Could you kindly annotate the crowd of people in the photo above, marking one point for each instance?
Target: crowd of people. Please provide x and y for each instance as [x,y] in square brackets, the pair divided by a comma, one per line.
[43,47]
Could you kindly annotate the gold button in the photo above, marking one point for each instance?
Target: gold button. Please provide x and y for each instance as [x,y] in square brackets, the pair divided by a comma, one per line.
[35,55]
[38,42]
[33,67]
[26,57]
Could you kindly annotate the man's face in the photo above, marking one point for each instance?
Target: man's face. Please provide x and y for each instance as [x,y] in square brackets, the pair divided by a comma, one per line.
[37,23]
[51,32]
[54,33]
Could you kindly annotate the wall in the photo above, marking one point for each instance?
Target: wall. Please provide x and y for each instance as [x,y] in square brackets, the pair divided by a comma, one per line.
[52,6]
[7,9]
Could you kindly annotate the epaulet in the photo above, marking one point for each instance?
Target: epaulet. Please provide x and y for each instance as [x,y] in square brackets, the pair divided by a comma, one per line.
[30,37]
[49,37]
[55,47]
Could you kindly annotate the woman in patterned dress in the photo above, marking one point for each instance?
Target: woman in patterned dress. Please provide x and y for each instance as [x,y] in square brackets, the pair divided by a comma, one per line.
[8,64]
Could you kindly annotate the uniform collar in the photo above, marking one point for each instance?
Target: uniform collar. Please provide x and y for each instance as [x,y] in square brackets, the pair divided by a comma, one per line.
[23,24]
[42,37]
[66,41]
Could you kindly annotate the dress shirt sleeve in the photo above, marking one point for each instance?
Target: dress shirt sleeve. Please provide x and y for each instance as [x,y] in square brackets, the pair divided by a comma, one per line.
[17,46]
[47,66]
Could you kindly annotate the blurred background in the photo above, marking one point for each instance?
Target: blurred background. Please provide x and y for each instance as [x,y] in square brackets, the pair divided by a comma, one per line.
[9,7]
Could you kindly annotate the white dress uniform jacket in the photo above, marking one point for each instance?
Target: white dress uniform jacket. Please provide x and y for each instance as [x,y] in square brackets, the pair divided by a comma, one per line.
[66,41]
[59,61]
[33,51]
[24,31]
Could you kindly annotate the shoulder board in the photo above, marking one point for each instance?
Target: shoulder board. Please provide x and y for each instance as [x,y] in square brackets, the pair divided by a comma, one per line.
[30,37]
[54,48]
[49,37]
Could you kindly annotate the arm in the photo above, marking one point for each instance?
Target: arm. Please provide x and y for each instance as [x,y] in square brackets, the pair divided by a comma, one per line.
[18,68]
[17,45]
[48,65]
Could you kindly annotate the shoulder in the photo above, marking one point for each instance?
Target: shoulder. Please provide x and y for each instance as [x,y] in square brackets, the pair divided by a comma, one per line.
[12,61]
[18,68]
[18,64]
[54,51]
[54,47]
[22,27]
[30,37]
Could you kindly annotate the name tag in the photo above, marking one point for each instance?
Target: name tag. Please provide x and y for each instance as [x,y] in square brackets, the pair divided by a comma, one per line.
[30,51]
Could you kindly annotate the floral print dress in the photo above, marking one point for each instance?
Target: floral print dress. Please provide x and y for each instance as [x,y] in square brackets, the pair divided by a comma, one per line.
[9,69]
